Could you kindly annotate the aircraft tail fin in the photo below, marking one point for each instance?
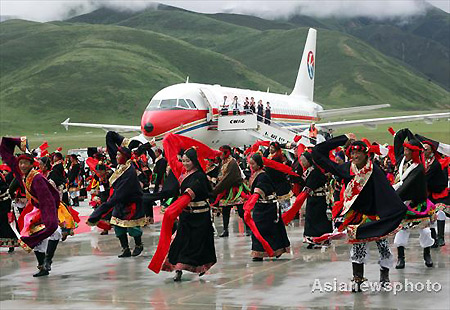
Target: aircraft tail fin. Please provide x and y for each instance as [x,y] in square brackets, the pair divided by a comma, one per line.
[304,85]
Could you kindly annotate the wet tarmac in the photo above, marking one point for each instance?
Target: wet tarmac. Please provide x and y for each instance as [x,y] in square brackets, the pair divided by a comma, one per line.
[86,274]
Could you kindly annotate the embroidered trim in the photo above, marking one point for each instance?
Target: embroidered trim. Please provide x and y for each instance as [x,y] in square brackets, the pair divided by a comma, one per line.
[260,192]
[36,229]
[203,210]
[8,242]
[198,204]
[356,185]
[275,253]
[24,246]
[119,171]
[253,177]
[190,193]
[285,197]
[28,181]
[128,223]
[167,266]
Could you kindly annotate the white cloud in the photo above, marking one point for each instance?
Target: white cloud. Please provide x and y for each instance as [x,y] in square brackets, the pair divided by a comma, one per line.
[46,10]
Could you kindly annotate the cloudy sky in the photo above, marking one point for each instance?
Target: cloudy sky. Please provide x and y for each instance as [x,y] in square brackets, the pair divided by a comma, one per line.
[46,10]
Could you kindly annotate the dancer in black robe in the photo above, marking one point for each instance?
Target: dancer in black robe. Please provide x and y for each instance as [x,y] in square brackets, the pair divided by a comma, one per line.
[316,220]
[193,247]
[266,213]
[370,207]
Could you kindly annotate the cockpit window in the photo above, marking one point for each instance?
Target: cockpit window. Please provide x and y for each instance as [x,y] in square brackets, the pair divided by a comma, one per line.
[182,104]
[171,104]
[168,104]
[191,104]
[153,105]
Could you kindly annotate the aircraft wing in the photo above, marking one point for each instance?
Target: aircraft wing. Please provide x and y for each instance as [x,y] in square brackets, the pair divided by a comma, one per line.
[372,122]
[106,127]
[348,111]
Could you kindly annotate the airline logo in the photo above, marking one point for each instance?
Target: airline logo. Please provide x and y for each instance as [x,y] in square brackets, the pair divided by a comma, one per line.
[310,65]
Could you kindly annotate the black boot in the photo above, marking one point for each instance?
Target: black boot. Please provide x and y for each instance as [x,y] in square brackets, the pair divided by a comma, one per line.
[139,247]
[226,221]
[400,258]
[248,231]
[427,257]
[11,249]
[178,274]
[384,276]
[440,234]
[125,248]
[75,202]
[358,277]
[224,233]
[51,248]
[433,235]
[40,256]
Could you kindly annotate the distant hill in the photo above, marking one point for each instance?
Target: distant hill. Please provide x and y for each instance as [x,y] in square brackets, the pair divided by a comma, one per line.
[105,66]
[422,41]
[98,73]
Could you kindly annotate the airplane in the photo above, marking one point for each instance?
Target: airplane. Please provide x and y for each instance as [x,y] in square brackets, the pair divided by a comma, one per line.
[194,110]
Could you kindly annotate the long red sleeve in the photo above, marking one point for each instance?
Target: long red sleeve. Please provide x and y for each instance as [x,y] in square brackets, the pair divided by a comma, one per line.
[172,212]
[289,215]
[248,207]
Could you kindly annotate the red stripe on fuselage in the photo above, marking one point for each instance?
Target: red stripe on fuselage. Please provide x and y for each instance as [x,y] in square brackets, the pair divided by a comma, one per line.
[166,120]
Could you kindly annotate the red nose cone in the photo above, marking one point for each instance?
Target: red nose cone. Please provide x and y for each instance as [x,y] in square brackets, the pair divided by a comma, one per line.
[155,123]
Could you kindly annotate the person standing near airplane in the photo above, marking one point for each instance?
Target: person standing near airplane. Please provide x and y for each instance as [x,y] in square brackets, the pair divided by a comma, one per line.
[224,108]
[252,105]
[268,114]
[260,111]
[235,106]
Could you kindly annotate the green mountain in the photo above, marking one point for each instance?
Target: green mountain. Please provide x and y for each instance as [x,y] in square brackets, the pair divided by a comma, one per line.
[103,67]
[349,73]
[98,73]
[421,42]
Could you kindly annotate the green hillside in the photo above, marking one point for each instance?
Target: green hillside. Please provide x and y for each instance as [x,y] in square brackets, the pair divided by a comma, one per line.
[348,73]
[104,67]
[97,73]
[421,42]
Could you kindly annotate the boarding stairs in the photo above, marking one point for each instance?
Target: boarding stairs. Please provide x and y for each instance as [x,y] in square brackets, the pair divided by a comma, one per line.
[258,129]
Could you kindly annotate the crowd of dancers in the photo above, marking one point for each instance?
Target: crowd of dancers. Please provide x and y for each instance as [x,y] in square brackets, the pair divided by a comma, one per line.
[348,188]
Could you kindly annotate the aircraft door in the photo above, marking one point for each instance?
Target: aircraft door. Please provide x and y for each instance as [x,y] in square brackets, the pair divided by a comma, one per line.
[210,102]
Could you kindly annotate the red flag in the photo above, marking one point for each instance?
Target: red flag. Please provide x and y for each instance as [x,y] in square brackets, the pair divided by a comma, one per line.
[59,149]
[43,146]
[391,130]
[44,153]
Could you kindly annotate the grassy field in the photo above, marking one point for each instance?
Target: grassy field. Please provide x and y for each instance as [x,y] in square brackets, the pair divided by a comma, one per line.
[84,137]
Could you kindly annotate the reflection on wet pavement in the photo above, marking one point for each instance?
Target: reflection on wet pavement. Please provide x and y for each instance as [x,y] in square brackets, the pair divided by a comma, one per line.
[88,275]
